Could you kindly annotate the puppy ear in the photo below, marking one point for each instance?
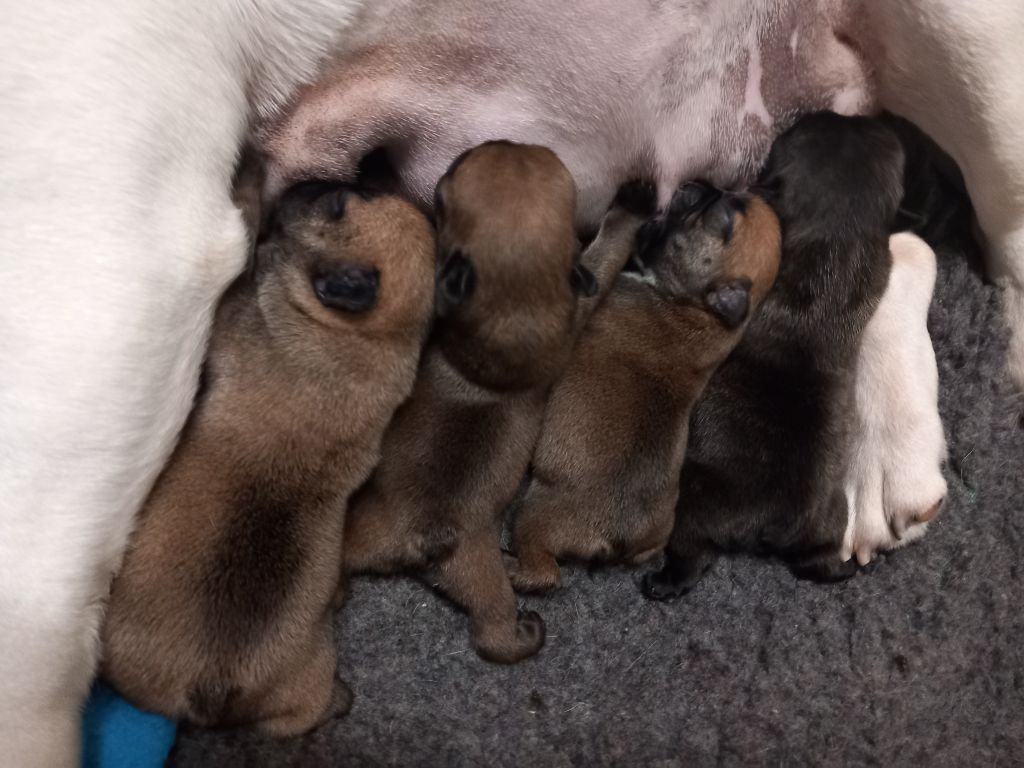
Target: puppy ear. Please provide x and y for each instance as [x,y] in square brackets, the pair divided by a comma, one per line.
[456,280]
[730,302]
[352,288]
[583,282]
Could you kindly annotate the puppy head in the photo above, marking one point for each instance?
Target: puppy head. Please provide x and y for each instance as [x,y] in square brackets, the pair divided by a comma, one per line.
[830,176]
[506,276]
[712,248]
[346,261]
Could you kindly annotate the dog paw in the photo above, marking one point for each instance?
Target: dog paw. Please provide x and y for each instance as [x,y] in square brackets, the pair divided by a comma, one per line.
[875,529]
[826,570]
[638,197]
[530,631]
[536,577]
[507,645]
[659,585]
[341,703]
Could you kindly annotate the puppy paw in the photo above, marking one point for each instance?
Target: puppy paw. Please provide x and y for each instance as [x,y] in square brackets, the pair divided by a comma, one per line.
[826,570]
[638,197]
[875,529]
[530,631]
[660,585]
[539,576]
[341,703]
[507,645]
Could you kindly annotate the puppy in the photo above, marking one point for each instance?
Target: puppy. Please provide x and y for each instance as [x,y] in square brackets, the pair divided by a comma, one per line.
[222,611]
[894,485]
[508,305]
[606,469]
[770,438]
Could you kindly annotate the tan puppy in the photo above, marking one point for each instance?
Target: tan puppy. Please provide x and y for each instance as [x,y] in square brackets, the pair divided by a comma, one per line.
[507,319]
[222,611]
[605,474]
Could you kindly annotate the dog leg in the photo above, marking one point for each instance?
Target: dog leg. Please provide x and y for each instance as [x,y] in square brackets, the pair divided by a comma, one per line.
[894,482]
[686,562]
[474,577]
[634,204]
[534,568]
[957,71]
[818,556]
[380,539]
[308,695]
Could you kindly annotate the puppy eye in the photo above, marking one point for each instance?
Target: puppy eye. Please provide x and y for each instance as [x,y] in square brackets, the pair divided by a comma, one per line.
[351,288]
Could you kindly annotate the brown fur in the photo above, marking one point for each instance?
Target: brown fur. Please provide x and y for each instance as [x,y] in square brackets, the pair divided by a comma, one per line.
[222,611]
[456,452]
[606,469]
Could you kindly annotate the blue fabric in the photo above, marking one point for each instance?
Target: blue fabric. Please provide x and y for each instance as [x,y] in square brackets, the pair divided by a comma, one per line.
[117,735]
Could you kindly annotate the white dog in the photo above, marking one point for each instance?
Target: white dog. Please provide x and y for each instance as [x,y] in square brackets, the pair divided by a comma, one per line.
[895,486]
[122,123]
[122,120]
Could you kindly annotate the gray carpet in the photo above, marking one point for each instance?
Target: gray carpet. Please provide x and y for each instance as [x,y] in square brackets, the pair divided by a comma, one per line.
[918,660]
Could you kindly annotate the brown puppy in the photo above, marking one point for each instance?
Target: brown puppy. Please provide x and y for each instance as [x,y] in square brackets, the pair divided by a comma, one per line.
[222,611]
[507,319]
[605,473]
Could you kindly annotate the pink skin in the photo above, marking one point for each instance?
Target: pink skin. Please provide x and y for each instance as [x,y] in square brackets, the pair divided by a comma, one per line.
[679,90]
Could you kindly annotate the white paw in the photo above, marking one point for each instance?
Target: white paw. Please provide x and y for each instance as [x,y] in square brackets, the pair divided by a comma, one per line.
[894,486]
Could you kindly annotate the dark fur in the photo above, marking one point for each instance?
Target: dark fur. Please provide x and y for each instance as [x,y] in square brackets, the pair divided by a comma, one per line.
[507,318]
[769,439]
[606,469]
[222,613]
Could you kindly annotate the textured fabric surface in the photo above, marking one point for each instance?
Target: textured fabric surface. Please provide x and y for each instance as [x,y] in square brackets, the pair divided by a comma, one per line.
[917,660]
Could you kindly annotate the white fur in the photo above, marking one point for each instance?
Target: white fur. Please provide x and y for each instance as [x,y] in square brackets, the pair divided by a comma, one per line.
[122,120]
[898,450]
[956,69]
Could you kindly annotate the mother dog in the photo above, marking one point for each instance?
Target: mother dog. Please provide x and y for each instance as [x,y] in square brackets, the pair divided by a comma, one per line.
[122,123]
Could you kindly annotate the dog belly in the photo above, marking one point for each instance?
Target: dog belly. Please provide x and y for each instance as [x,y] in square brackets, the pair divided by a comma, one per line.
[691,89]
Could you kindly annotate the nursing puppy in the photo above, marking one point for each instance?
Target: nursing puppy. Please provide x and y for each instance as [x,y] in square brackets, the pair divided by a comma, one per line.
[894,485]
[148,238]
[770,439]
[508,311]
[605,475]
[222,611]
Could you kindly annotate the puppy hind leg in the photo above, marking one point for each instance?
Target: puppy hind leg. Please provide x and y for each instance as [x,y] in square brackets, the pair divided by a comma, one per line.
[819,556]
[379,538]
[474,577]
[308,695]
[535,566]
[687,559]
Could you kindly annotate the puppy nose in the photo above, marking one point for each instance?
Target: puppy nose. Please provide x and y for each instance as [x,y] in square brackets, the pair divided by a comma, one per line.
[351,287]
[718,218]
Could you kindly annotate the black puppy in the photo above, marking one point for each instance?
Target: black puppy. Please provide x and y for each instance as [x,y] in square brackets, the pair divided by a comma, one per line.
[769,439]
